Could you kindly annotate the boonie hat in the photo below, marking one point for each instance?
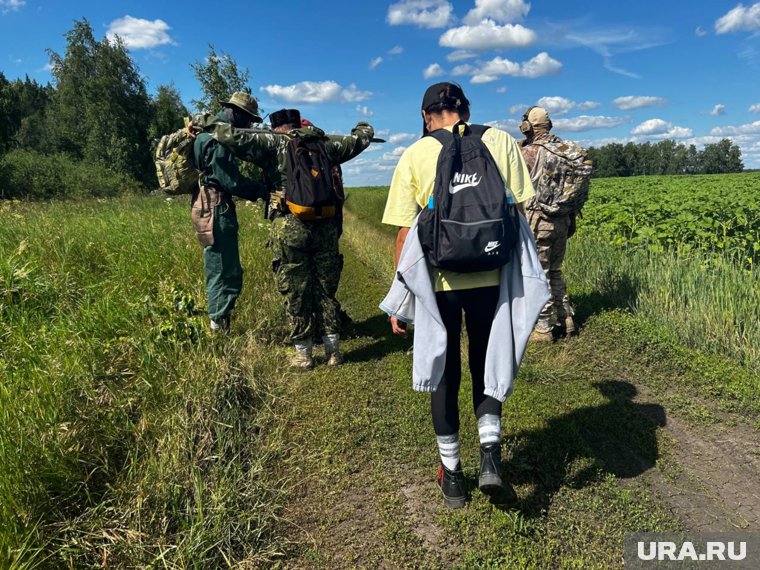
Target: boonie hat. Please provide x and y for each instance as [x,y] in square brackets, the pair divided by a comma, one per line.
[246,103]
[285,117]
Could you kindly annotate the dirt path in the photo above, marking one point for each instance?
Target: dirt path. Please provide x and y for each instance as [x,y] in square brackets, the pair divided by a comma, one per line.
[713,482]
[592,458]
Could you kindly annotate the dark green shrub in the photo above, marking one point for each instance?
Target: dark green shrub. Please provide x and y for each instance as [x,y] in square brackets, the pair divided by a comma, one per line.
[29,175]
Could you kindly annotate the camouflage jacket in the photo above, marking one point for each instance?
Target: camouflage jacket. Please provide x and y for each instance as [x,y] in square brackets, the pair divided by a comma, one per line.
[267,149]
[560,172]
[534,155]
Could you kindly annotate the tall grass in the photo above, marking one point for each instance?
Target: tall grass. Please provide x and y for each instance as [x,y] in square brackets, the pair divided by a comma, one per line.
[128,436]
[706,302]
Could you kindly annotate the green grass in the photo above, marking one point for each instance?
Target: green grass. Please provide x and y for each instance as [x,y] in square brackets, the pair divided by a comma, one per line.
[130,438]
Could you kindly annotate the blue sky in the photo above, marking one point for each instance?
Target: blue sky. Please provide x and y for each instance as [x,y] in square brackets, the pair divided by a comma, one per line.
[607,71]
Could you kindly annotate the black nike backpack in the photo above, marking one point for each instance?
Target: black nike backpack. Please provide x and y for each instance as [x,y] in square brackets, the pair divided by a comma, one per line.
[470,224]
[310,193]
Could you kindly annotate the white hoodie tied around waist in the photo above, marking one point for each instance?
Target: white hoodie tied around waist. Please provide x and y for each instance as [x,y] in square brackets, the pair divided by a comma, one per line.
[523,291]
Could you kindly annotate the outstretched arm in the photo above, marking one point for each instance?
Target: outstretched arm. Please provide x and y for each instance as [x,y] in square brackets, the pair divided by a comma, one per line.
[343,148]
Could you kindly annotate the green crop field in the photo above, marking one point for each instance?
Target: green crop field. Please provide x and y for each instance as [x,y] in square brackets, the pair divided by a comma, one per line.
[131,438]
[712,213]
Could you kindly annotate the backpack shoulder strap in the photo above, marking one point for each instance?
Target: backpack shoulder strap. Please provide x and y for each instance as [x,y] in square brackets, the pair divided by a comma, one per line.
[478,130]
[441,135]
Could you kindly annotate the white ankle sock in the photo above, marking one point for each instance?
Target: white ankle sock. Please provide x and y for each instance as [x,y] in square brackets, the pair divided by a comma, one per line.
[331,342]
[489,429]
[448,447]
[304,346]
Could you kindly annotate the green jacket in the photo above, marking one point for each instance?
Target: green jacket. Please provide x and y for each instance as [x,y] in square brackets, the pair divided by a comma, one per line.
[220,169]
[267,149]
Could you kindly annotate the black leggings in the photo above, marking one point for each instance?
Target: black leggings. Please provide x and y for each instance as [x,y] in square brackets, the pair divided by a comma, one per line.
[479,307]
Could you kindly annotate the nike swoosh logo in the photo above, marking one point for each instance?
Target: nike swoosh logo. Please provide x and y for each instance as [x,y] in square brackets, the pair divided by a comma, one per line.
[454,189]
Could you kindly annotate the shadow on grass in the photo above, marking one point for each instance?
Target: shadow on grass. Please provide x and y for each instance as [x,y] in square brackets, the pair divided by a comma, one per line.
[578,448]
[613,292]
[384,342]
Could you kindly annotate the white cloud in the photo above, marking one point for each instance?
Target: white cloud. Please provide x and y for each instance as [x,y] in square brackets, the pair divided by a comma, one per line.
[394,154]
[422,13]
[433,70]
[498,10]
[375,62]
[11,5]
[488,35]
[739,19]
[746,129]
[717,110]
[401,137]
[353,95]
[630,102]
[538,66]
[502,89]
[316,92]
[483,78]
[660,129]
[510,125]
[588,122]
[561,105]
[609,42]
[138,33]
[754,108]
[463,69]
[518,108]
[396,50]
[461,55]
[700,32]
[364,110]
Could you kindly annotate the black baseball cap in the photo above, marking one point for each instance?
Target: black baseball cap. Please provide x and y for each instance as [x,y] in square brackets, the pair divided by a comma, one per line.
[433,94]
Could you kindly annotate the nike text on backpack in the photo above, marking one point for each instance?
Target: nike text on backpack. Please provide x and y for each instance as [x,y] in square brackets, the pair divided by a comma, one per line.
[470,224]
[174,163]
[310,193]
[565,178]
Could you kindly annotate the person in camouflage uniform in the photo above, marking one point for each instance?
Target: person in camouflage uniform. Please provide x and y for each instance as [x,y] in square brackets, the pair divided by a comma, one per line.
[306,260]
[213,210]
[551,232]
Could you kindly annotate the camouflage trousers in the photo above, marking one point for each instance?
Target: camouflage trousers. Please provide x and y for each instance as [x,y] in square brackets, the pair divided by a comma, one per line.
[307,266]
[551,241]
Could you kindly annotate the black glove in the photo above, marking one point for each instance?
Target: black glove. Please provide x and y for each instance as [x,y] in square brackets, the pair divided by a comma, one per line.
[572,227]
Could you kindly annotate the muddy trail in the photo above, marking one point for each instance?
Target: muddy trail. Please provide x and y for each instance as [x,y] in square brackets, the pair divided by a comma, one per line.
[592,442]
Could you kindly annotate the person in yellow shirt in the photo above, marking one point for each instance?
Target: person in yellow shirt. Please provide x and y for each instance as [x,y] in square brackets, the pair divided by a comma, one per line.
[476,294]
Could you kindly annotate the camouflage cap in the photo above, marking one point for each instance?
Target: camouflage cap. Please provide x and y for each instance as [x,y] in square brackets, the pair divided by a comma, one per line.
[538,117]
[245,102]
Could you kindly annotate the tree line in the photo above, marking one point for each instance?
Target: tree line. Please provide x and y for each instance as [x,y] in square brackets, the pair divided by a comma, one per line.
[665,157]
[98,113]
[98,110]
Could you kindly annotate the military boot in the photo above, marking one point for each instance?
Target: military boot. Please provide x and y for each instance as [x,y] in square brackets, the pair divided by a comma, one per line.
[302,359]
[568,320]
[492,481]
[220,324]
[332,349]
[542,332]
[451,484]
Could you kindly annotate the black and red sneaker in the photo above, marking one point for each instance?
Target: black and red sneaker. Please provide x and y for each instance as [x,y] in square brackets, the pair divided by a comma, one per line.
[451,484]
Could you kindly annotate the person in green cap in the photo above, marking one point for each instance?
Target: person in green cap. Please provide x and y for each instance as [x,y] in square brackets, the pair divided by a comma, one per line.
[306,258]
[213,210]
